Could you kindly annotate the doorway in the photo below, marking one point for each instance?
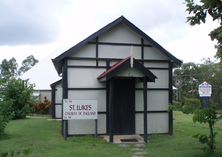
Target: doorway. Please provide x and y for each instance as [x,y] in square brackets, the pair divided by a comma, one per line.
[124,106]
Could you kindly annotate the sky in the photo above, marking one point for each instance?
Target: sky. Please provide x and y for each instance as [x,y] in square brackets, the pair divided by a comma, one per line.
[38,27]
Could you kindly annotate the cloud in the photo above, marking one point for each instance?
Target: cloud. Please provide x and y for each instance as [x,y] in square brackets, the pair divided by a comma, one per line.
[25,22]
[162,20]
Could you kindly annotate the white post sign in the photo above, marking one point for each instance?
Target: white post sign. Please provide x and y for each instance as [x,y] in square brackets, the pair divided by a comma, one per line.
[205,89]
[79,109]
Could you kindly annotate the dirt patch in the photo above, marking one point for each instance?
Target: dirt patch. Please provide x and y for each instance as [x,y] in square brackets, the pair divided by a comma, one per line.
[179,130]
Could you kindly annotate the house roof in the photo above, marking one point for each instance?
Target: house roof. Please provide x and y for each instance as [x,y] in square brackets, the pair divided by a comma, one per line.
[119,66]
[55,83]
[43,73]
[121,19]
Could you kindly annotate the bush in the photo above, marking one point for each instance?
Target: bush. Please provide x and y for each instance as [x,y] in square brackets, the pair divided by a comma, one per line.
[195,103]
[5,114]
[43,107]
[177,105]
[19,91]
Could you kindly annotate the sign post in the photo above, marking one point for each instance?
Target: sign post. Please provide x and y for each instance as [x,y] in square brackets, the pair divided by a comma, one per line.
[80,109]
[205,90]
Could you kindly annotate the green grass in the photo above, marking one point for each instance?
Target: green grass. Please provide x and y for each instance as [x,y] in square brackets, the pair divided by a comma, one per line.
[45,139]
[181,144]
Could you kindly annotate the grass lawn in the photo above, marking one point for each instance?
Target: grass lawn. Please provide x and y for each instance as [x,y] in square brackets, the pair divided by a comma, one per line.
[45,139]
[181,144]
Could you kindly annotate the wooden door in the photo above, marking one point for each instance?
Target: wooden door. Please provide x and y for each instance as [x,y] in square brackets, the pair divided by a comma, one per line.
[124,106]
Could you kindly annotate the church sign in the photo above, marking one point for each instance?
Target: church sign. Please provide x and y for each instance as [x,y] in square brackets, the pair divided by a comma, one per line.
[205,89]
[79,109]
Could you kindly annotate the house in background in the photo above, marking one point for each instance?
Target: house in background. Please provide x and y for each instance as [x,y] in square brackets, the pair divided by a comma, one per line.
[133,92]
[42,75]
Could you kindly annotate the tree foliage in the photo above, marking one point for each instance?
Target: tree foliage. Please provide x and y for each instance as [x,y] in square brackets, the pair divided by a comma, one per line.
[199,13]
[19,92]
[5,114]
[195,103]
[189,76]
[207,115]
[10,69]
[27,64]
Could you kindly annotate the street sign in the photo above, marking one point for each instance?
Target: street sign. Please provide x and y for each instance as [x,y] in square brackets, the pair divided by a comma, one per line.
[79,109]
[205,89]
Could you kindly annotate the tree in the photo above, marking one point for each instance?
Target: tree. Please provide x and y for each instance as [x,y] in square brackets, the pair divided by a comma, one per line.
[5,114]
[9,68]
[184,79]
[27,64]
[199,14]
[19,91]
[189,76]
[208,115]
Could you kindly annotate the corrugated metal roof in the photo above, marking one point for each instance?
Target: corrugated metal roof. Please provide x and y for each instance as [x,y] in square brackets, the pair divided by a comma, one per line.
[44,72]
[122,65]
[113,67]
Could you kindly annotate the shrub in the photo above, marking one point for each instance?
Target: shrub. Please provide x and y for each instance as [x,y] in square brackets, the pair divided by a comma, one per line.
[177,105]
[207,115]
[19,91]
[195,103]
[5,114]
[42,107]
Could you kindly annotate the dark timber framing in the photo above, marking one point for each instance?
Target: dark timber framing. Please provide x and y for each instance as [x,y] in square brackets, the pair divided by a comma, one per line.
[109,76]
[120,20]
[111,110]
[120,44]
[142,50]
[64,94]
[61,65]
[145,108]
[53,102]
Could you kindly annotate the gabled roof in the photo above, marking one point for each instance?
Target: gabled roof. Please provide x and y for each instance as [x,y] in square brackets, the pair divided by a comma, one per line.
[121,19]
[44,72]
[121,65]
[55,83]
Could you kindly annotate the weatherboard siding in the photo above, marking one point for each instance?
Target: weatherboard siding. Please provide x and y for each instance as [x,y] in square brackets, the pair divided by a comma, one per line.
[83,62]
[84,78]
[157,100]
[87,50]
[121,34]
[116,44]
[156,64]
[153,53]
[82,127]
[130,72]
[58,100]
[162,80]
[79,77]
[157,123]
[58,111]
[117,51]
